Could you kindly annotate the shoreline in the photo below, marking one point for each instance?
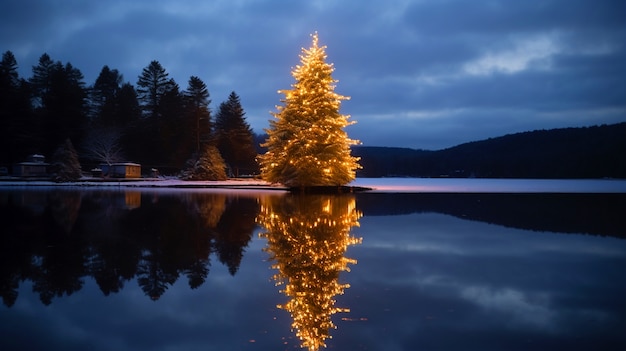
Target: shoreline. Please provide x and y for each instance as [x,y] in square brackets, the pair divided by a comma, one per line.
[143,183]
[388,185]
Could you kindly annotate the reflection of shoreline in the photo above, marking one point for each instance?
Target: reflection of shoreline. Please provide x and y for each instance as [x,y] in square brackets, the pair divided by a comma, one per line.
[595,214]
[147,183]
[307,239]
[57,238]
[388,185]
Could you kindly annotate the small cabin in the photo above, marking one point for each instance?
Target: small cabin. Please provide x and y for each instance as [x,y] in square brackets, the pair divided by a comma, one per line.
[122,170]
[34,166]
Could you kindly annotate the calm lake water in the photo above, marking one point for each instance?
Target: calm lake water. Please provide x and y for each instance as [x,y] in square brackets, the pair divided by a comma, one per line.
[215,269]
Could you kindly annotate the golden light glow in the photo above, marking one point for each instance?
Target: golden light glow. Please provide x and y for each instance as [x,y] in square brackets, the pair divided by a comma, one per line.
[307,237]
[308,129]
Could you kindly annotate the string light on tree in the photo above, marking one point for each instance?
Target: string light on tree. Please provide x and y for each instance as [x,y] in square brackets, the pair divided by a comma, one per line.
[307,144]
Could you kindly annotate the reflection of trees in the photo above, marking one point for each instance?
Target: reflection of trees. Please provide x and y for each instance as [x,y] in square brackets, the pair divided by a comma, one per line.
[307,239]
[234,231]
[209,209]
[168,233]
[59,239]
[57,266]
[64,209]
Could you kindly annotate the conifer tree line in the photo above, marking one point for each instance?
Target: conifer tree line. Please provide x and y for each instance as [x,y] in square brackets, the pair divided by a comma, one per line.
[154,122]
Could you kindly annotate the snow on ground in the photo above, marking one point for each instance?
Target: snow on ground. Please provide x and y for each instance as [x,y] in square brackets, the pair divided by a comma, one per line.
[392,185]
[154,183]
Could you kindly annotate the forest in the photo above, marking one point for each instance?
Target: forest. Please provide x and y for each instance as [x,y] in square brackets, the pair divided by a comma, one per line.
[588,152]
[153,122]
[161,126]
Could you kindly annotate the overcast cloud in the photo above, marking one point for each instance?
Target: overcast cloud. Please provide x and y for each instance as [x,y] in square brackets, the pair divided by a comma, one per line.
[420,74]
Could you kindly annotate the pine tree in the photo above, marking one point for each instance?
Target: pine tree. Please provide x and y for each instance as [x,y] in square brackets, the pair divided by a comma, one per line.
[8,70]
[103,97]
[18,130]
[129,115]
[41,79]
[128,109]
[61,99]
[197,102]
[307,144]
[65,164]
[173,144]
[208,165]
[152,84]
[234,136]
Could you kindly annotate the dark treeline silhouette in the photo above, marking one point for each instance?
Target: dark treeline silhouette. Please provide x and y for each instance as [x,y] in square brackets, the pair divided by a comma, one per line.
[155,122]
[57,239]
[590,152]
[593,214]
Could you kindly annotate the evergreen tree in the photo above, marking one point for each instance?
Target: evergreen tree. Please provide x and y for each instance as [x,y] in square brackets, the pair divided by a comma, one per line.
[235,139]
[8,88]
[103,96]
[159,139]
[133,133]
[197,103]
[152,84]
[65,164]
[173,144]
[18,132]
[66,104]
[128,109]
[41,79]
[8,70]
[61,101]
[307,144]
[208,165]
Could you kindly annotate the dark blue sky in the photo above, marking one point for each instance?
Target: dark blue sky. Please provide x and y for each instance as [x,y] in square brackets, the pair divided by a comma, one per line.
[421,74]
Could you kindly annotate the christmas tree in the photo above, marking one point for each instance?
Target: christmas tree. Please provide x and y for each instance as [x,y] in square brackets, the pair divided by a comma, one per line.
[307,144]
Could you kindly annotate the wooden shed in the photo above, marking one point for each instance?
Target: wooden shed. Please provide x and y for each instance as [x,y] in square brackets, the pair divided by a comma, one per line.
[122,170]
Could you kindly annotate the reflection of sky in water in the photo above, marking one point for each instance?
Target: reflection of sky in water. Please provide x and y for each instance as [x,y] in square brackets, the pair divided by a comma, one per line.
[422,282]
[442,282]
[224,313]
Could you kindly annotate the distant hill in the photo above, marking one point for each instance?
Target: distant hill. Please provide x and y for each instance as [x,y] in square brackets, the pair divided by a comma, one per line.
[588,152]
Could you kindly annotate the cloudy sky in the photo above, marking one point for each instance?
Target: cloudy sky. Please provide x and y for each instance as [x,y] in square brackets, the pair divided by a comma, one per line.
[420,74]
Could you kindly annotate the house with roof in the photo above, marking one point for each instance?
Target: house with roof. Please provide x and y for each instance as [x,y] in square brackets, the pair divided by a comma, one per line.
[34,166]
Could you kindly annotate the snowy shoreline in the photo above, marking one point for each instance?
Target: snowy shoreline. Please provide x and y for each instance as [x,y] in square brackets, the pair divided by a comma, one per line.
[389,185]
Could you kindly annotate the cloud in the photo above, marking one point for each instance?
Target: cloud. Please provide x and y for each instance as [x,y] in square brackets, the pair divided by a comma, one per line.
[535,51]
[509,64]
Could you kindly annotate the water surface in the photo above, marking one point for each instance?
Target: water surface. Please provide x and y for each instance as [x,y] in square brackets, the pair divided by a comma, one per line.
[148,269]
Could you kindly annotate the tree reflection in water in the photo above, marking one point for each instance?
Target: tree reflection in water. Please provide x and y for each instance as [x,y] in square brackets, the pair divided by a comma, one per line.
[56,239]
[307,237]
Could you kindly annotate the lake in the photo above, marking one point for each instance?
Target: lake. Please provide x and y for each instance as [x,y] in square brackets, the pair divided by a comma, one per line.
[89,268]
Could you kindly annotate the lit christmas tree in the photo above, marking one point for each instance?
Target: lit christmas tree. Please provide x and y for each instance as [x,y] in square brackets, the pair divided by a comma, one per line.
[307,237]
[307,144]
